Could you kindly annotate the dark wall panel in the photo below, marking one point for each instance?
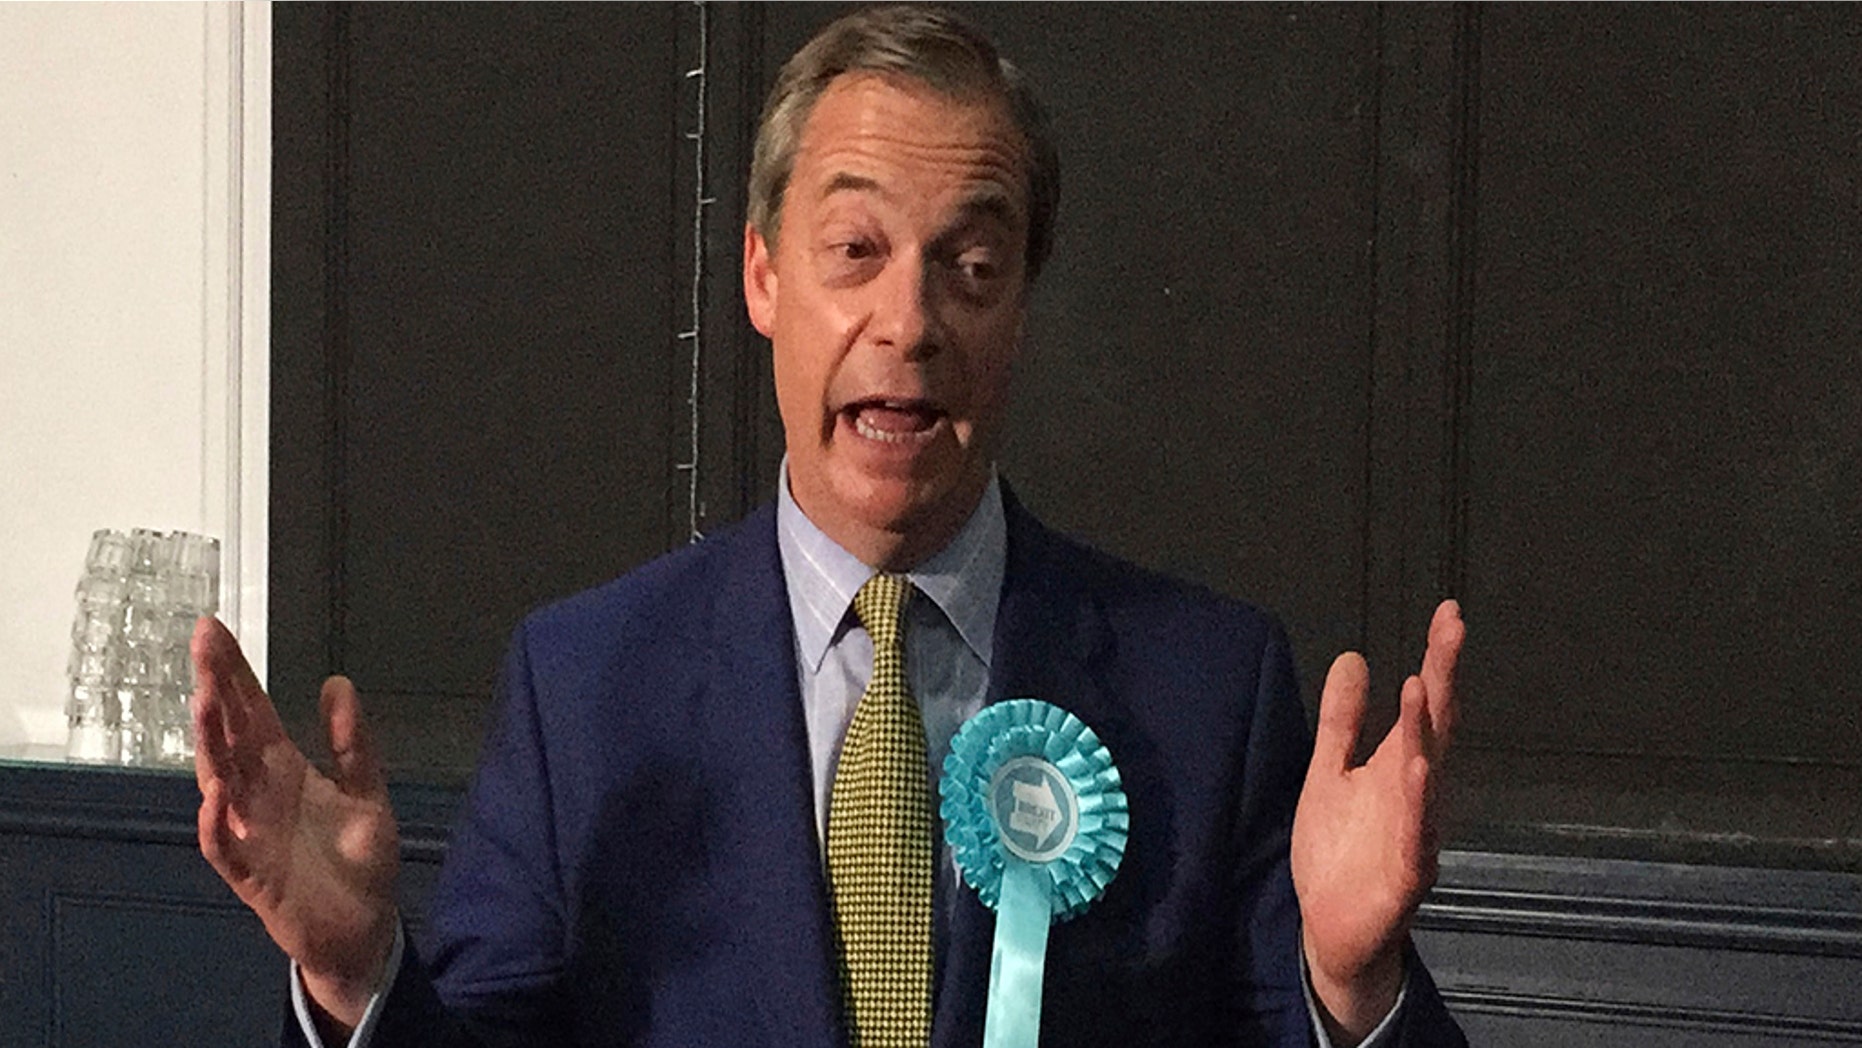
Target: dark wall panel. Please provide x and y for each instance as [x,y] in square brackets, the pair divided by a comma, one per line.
[114,930]
[1196,399]
[497,305]
[1662,433]
[95,976]
[306,98]
[510,239]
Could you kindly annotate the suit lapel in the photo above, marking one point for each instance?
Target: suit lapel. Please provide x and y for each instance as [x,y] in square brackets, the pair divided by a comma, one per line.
[1050,644]
[756,727]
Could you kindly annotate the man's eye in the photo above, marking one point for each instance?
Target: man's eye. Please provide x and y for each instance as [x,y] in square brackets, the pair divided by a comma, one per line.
[854,250]
[978,266]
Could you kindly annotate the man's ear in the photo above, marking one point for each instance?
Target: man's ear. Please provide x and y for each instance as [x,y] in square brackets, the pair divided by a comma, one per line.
[759,281]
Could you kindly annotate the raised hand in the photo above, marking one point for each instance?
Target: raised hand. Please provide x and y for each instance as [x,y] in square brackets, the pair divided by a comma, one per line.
[314,857]
[1364,840]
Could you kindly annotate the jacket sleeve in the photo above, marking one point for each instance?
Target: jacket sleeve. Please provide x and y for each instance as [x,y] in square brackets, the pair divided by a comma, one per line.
[492,976]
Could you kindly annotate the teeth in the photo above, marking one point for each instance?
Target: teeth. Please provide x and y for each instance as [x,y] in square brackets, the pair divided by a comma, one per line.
[866,430]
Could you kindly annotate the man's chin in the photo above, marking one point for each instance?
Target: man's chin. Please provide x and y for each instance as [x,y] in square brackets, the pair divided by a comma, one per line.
[921,513]
[900,508]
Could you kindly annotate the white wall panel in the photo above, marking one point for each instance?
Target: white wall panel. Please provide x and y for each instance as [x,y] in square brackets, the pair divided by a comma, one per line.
[134,208]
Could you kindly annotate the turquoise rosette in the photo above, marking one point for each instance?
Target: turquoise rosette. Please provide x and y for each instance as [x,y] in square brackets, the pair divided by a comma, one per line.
[1035,814]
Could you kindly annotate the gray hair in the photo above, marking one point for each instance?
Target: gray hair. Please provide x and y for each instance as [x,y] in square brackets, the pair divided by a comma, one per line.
[934,47]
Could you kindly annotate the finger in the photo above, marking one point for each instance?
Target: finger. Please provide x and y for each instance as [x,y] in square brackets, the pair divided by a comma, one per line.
[221,668]
[1421,787]
[223,688]
[217,841]
[1424,793]
[213,758]
[1412,724]
[1341,712]
[1446,634]
[207,698]
[358,769]
[217,658]
[1421,781]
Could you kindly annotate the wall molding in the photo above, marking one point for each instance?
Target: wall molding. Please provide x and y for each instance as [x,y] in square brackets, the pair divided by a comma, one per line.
[1619,1013]
[1798,912]
[235,288]
[1814,917]
[1541,941]
[1795,912]
[60,939]
[338,60]
[252,539]
[148,806]
[1422,151]
[1780,928]
[60,901]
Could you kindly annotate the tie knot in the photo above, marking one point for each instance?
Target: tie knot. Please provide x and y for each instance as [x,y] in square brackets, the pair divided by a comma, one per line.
[879,605]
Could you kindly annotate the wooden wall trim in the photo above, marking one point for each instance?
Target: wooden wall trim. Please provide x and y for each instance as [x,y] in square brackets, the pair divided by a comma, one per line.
[1463,241]
[741,434]
[1591,951]
[1619,1013]
[60,965]
[1777,928]
[1423,153]
[1477,928]
[1800,912]
[337,353]
[138,806]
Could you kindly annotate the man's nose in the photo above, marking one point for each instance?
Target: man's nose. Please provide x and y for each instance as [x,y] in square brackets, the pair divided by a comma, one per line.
[904,309]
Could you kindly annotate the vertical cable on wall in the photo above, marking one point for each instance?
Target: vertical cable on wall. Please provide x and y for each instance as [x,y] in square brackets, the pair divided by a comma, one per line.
[701,199]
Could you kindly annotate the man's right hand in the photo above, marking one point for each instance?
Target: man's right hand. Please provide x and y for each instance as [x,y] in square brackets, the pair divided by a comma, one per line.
[315,857]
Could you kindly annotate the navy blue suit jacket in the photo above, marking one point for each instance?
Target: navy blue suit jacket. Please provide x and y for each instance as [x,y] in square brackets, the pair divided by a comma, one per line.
[637,863]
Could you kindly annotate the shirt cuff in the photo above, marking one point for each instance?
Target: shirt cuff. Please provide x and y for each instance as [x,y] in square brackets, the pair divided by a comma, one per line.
[1383,1033]
[365,1030]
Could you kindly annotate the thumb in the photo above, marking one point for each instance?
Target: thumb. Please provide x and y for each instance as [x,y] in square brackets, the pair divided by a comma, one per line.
[1341,713]
[358,769]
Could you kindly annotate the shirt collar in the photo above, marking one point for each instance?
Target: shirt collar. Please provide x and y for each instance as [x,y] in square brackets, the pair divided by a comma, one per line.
[964,579]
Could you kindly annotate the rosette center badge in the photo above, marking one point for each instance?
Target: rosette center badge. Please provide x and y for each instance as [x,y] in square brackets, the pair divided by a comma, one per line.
[1037,811]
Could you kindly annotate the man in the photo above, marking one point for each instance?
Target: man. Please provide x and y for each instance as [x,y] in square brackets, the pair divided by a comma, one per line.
[657,850]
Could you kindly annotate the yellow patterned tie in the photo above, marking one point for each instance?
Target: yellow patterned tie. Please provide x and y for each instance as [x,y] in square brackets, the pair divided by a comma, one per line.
[879,842]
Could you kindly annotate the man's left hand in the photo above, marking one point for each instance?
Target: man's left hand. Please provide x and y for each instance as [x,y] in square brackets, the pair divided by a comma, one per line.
[1364,840]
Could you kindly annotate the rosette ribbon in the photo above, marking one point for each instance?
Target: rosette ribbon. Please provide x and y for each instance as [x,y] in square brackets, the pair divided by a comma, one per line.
[1036,817]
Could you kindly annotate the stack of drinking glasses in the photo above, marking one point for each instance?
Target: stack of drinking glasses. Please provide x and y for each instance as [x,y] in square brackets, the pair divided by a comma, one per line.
[130,671]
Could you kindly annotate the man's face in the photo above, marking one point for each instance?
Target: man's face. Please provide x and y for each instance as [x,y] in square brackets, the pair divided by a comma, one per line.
[893,298]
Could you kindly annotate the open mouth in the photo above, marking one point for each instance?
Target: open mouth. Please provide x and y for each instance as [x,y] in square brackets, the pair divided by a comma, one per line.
[895,421]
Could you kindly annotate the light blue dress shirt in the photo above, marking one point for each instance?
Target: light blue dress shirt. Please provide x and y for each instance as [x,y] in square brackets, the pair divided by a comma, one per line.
[949,636]
[949,628]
